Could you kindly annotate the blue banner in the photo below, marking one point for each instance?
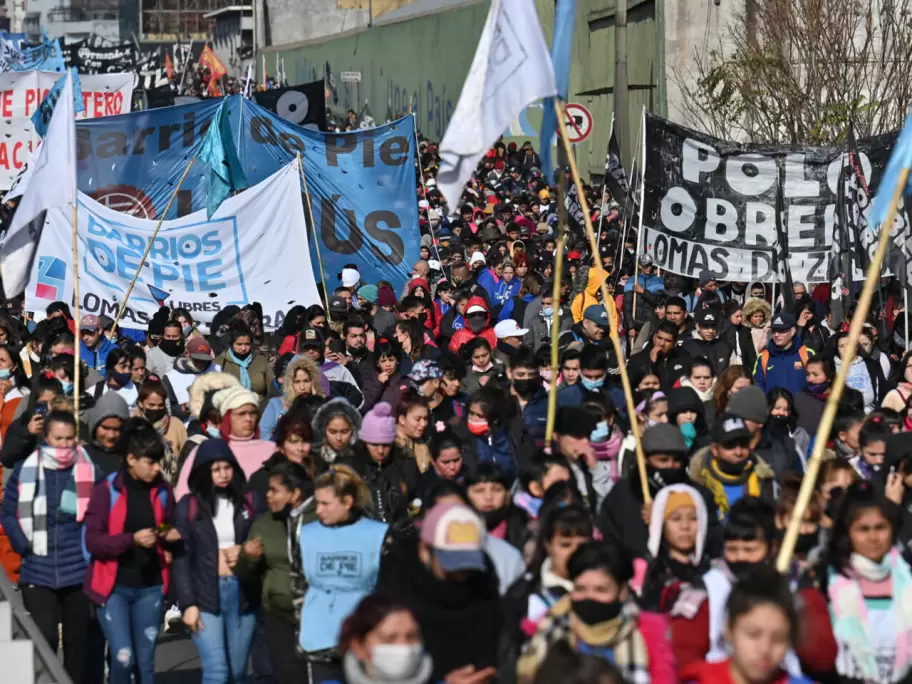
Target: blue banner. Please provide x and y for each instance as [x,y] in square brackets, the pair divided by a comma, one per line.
[362,183]
[41,119]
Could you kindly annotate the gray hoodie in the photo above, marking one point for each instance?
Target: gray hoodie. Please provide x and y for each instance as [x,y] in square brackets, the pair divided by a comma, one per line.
[109,405]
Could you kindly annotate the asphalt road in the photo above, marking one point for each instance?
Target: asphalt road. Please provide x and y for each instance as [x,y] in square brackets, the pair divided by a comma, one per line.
[176,661]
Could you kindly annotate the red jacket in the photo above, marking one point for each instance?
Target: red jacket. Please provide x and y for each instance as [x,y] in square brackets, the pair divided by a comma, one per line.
[465,334]
[720,673]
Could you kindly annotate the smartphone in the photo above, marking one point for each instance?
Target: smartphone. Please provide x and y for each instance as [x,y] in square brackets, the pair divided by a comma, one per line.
[336,347]
[163,529]
[41,408]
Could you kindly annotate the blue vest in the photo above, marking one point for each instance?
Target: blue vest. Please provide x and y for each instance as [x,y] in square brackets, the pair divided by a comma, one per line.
[341,565]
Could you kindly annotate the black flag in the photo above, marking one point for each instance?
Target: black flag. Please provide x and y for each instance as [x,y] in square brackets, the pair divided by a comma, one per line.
[615,175]
[783,267]
[841,269]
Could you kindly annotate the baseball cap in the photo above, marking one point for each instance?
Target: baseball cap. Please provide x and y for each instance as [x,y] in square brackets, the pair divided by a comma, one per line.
[457,535]
[89,322]
[729,428]
[425,369]
[597,314]
[646,260]
[475,308]
[337,304]
[311,337]
[509,328]
[783,321]
[198,348]
[707,318]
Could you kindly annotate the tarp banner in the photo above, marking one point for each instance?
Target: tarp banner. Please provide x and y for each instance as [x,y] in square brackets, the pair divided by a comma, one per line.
[22,93]
[362,183]
[711,204]
[251,250]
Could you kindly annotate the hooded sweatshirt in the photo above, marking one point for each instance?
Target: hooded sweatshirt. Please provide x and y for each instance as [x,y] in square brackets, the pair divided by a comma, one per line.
[589,296]
[460,337]
[110,404]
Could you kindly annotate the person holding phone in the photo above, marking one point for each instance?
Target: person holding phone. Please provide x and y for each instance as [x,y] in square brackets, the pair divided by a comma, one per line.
[129,532]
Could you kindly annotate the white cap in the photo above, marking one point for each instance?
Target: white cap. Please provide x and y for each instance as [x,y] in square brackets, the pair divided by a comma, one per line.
[509,328]
[350,277]
[477,257]
[476,309]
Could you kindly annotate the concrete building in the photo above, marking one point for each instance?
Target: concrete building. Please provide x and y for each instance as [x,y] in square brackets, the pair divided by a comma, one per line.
[233,37]
[76,19]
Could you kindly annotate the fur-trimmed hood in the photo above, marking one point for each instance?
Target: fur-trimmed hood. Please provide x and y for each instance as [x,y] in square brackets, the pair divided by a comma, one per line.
[311,368]
[329,410]
[752,306]
[208,382]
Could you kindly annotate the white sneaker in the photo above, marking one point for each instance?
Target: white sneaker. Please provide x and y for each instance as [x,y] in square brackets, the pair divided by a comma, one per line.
[173,619]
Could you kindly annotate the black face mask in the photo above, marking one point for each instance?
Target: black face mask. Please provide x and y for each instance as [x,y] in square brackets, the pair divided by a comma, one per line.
[596,612]
[476,325]
[527,388]
[154,415]
[359,353]
[732,469]
[240,357]
[832,507]
[172,347]
[778,425]
[740,569]
[494,518]
[662,477]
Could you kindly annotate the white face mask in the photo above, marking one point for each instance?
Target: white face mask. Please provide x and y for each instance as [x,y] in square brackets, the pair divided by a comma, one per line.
[394,662]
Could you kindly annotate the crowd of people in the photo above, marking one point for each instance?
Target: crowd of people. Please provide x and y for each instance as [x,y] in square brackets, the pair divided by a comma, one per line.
[368,494]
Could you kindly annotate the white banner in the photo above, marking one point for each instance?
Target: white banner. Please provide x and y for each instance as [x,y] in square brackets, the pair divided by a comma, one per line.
[22,92]
[253,249]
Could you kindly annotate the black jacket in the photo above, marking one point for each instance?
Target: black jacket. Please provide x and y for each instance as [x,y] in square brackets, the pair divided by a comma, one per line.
[18,443]
[523,446]
[717,351]
[392,484]
[195,575]
[645,306]
[736,336]
[669,368]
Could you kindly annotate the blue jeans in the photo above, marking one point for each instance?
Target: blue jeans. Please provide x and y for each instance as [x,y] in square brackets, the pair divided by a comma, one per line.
[131,620]
[224,641]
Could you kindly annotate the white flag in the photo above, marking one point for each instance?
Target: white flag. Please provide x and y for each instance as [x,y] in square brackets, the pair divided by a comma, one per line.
[52,184]
[511,70]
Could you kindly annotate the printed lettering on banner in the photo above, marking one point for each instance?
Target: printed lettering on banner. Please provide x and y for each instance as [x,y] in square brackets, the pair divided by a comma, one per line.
[711,204]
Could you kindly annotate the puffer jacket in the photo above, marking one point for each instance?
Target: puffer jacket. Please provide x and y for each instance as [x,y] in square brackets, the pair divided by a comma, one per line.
[759,335]
[392,484]
[716,351]
[329,410]
[195,572]
[460,337]
[64,565]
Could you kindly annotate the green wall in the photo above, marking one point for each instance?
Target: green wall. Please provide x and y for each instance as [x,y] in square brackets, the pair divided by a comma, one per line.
[425,61]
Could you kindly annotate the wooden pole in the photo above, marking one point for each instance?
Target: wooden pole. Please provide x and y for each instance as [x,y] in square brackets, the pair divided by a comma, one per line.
[555,330]
[863,306]
[427,210]
[77,348]
[612,321]
[142,262]
[316,240]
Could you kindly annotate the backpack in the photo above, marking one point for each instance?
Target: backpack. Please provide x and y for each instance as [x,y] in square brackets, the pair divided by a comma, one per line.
[802,352]
[114,495]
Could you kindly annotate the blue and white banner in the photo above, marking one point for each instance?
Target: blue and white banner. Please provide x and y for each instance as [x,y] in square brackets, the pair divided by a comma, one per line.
[362,183]
[253,249]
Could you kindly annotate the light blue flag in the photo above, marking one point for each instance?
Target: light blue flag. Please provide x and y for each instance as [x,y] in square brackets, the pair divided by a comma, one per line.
[218,152]
[42,116]
[561,50]
[900,158]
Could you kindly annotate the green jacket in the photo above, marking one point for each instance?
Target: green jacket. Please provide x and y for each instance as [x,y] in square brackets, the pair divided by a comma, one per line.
[273,567]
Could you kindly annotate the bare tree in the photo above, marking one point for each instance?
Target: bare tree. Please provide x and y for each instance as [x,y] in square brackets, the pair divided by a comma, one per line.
[799,71]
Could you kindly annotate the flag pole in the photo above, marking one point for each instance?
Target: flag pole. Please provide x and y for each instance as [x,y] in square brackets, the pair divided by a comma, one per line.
[142,262]
[427,210]
[863,306]
[316,240]
[636,262]
[555,329]
[77,348]
[612,322]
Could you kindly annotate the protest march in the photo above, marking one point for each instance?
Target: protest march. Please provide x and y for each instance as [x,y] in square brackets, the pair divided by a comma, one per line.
[334,402]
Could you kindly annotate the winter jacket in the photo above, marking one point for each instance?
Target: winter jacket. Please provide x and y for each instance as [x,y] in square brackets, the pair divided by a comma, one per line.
[158,363]
[109,405]
[670,368]
[376,392]
[515,308]
[195,572]
[759,335]
[716,351]
[510,447]
[504,292]
[98,357]
[785,367]
[489,281]
[739,339]
[866,376]
[64,565]
[653,285]
[535,416]
[106,540]
[759,480]
[539,327]
[277,406]
[341,382]
[460,337]
[589,297]
[259,371]
[392,484]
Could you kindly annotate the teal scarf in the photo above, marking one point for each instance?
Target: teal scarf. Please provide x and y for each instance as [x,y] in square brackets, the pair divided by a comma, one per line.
[243,365]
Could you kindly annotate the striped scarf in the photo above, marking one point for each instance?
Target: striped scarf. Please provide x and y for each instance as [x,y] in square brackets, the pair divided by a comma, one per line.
[74,500]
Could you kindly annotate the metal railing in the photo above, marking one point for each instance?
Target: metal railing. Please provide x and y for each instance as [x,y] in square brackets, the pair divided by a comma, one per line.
[48,668]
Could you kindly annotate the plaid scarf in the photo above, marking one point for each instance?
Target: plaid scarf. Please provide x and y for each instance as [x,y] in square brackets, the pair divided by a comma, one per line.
[74,500]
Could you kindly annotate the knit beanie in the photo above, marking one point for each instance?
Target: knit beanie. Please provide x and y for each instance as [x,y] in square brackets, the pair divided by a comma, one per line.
[233,397]
[677,500]
[378,425]
[386,297]
[749,404]
[706,277]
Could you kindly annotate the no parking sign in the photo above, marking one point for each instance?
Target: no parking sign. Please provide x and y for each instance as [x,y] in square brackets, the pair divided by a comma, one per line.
[579,122]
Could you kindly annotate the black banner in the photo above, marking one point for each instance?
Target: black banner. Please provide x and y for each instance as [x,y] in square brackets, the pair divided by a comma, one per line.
[712,205]
[303,105]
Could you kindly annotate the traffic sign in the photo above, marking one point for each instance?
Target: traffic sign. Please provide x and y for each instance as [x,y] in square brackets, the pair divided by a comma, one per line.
[579,122]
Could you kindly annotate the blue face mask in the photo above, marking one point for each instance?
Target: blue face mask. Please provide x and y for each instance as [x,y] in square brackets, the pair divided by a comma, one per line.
[67,387]
[5,373]
[600,434]
[547,313]
[592,385]
[213,432]
[689,430]
[186,330]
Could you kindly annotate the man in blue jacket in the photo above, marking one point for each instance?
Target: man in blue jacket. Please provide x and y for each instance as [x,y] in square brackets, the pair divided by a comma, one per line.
[526,386]
[782,363]
[94,347]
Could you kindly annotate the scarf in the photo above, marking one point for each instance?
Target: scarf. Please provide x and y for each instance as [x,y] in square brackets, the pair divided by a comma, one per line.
[849,615]
[243,365]
[716,481]
[704,396]
[420,452]
[74,500]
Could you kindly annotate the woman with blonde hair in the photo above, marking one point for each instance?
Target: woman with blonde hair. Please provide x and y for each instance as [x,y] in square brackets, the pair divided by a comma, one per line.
[302,378]
[340,559]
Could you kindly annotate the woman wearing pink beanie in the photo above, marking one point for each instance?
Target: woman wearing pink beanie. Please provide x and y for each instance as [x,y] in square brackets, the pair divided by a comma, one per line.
[390,475]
